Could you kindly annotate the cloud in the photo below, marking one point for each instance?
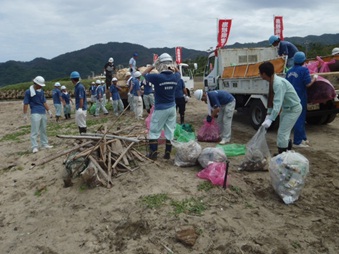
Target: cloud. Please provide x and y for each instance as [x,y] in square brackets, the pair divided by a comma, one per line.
[47,29]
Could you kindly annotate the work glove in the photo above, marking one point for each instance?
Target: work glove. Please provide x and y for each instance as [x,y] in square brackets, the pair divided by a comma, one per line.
[315,76]
[209,119]
[139,99]
[25,117]
[267,123]
[186,98]
[79,110]
[50,113]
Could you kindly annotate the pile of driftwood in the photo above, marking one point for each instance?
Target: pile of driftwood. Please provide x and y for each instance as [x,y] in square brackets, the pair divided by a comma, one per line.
[98,158]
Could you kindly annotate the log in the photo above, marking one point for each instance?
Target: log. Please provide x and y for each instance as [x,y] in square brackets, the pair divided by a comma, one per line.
[107,178]
[48,159]
[334,73]
[97,136]
[122,155]
[86,152]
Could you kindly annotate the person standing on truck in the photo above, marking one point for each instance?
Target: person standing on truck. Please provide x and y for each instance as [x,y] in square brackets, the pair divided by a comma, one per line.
[285,49]
[180,99]
[80,102]
[133,64]
[299,76]
[283,99]
[164,114]
[221,104]
[109,71]
[118,106]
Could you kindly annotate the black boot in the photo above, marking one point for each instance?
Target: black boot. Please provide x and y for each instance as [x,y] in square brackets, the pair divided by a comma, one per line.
[148,111]
[153,149]
[168,150]
[82,130]
[289,147]
[182,119]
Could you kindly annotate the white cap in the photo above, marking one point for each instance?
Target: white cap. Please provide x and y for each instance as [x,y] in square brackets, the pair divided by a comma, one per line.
[39,81]
[114,79]
[137,74]
[111,60]
[57,84]
[198,94]
[63,88]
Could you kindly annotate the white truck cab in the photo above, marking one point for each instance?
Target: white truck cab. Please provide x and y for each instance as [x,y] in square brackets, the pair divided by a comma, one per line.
[187,76]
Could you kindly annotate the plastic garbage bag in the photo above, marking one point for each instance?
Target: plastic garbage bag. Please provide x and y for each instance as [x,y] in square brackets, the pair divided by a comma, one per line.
[215,172]
[257,153]
[312,66]
[210,155]
[321,91]
[288,172]
[187,153]
[184,133]
[325,65]
[162,139]
[232,150]
[209,132]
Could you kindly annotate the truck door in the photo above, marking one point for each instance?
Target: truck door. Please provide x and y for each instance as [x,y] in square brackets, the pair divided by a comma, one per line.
[210,74]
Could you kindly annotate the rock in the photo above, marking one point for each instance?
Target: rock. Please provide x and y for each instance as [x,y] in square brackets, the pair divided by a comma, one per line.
[186,235]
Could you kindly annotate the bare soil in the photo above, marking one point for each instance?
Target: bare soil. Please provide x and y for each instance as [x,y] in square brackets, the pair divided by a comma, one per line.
[39,215]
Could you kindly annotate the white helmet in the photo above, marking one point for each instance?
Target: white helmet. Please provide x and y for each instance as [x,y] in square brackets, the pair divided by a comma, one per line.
[111,60]
[114,79]
[335,51]
[39,81]
[57,84]
[98,82]
[198,94]
[63,88]
[165,58]
[137,74]
[93,83]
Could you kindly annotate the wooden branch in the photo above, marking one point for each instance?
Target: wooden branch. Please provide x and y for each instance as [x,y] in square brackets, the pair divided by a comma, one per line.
[99,136]
[122,155]
[334,73]
[107,178]
[86,152]
[48,159]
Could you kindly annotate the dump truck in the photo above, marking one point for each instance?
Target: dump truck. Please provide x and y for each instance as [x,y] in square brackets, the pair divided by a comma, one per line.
[237,71]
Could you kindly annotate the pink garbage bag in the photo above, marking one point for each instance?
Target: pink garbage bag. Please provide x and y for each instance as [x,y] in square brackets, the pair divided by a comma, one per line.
[215,172]
[325,65]
[312,66]
[209,132]
[162,139]
[321,91]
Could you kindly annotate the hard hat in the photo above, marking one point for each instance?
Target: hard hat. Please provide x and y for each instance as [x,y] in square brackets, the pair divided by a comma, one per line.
[128,74]
[335,51]
[39,81]
[98,82]
[63,88]
[102,82]
[273,39]
[165,58]
[198,94]
[299,57]
[114,79]
[75,74]
[135,54]
[111,60]
[93,83]
[57,84]
[137,74]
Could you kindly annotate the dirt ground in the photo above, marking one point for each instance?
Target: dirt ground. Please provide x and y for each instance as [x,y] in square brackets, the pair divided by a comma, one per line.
[39,215]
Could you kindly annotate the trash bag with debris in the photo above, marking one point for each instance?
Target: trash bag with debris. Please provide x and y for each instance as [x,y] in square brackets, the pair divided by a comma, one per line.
[210,155]
[215,172]
[187,153]
[288,172]
[184,133]
[321,91]
[257,153]
[209,132]
[75,166]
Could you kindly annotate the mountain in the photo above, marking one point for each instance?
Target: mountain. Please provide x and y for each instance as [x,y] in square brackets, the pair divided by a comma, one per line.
[90,60]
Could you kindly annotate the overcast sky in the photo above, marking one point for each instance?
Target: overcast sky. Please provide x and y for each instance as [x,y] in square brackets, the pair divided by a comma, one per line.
[48,28]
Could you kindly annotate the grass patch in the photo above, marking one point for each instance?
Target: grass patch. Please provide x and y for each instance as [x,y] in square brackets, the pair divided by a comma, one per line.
[205,186]
[39,192]
[155,201]
[236,189]
[190,206]
[15,136]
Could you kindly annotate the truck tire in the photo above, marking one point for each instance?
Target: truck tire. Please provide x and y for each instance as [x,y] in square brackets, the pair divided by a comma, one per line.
[316,120]
[257,113]
[330,118]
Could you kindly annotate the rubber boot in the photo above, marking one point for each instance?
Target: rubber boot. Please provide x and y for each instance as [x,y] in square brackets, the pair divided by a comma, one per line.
[182,119]
[148,111]
[82,130]
[153,149]
[57,118]
[168,150]
[289,144]
[69,116]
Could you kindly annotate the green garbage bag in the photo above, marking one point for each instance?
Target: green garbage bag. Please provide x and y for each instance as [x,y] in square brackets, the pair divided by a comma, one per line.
[233,149]
[92,109]
[184,133]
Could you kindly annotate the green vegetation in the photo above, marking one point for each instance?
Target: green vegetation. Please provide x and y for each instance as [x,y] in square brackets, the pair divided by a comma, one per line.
[205,186]
[39,192]
[190,206]
[155,201]
[15,136]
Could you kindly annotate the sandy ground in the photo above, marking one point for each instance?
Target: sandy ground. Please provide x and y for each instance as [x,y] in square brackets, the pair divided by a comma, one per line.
[248,217]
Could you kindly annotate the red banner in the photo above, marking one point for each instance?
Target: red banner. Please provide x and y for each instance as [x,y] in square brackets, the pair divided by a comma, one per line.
[178,52]
[279,27]
[155,57]
[224,29]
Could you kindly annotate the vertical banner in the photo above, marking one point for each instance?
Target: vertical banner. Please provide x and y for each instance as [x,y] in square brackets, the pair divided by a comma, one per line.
[279,27]
[178,52]
[224,28]
[155,57]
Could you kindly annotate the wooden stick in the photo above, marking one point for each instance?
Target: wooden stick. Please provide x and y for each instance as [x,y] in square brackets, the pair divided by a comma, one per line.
[86,152]
[334,73]
[109,163]
[108,178]
[48,159]
[144,156]
[109,136]
[122,154]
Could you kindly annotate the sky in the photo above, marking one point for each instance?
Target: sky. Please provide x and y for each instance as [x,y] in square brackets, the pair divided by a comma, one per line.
[49,28]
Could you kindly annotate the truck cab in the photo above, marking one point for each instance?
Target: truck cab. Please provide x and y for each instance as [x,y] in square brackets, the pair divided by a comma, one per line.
[187,76]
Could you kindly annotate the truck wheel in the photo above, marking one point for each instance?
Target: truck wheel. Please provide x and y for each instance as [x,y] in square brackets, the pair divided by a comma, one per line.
[330,118]
[257,113]
[316,120]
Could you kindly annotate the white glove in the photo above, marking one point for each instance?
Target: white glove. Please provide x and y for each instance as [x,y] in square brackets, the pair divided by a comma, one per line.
[25,117]
[139,99]
[79,110]
[186,98]
[267,123]
[315,76]
[128,94]
[50,113]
